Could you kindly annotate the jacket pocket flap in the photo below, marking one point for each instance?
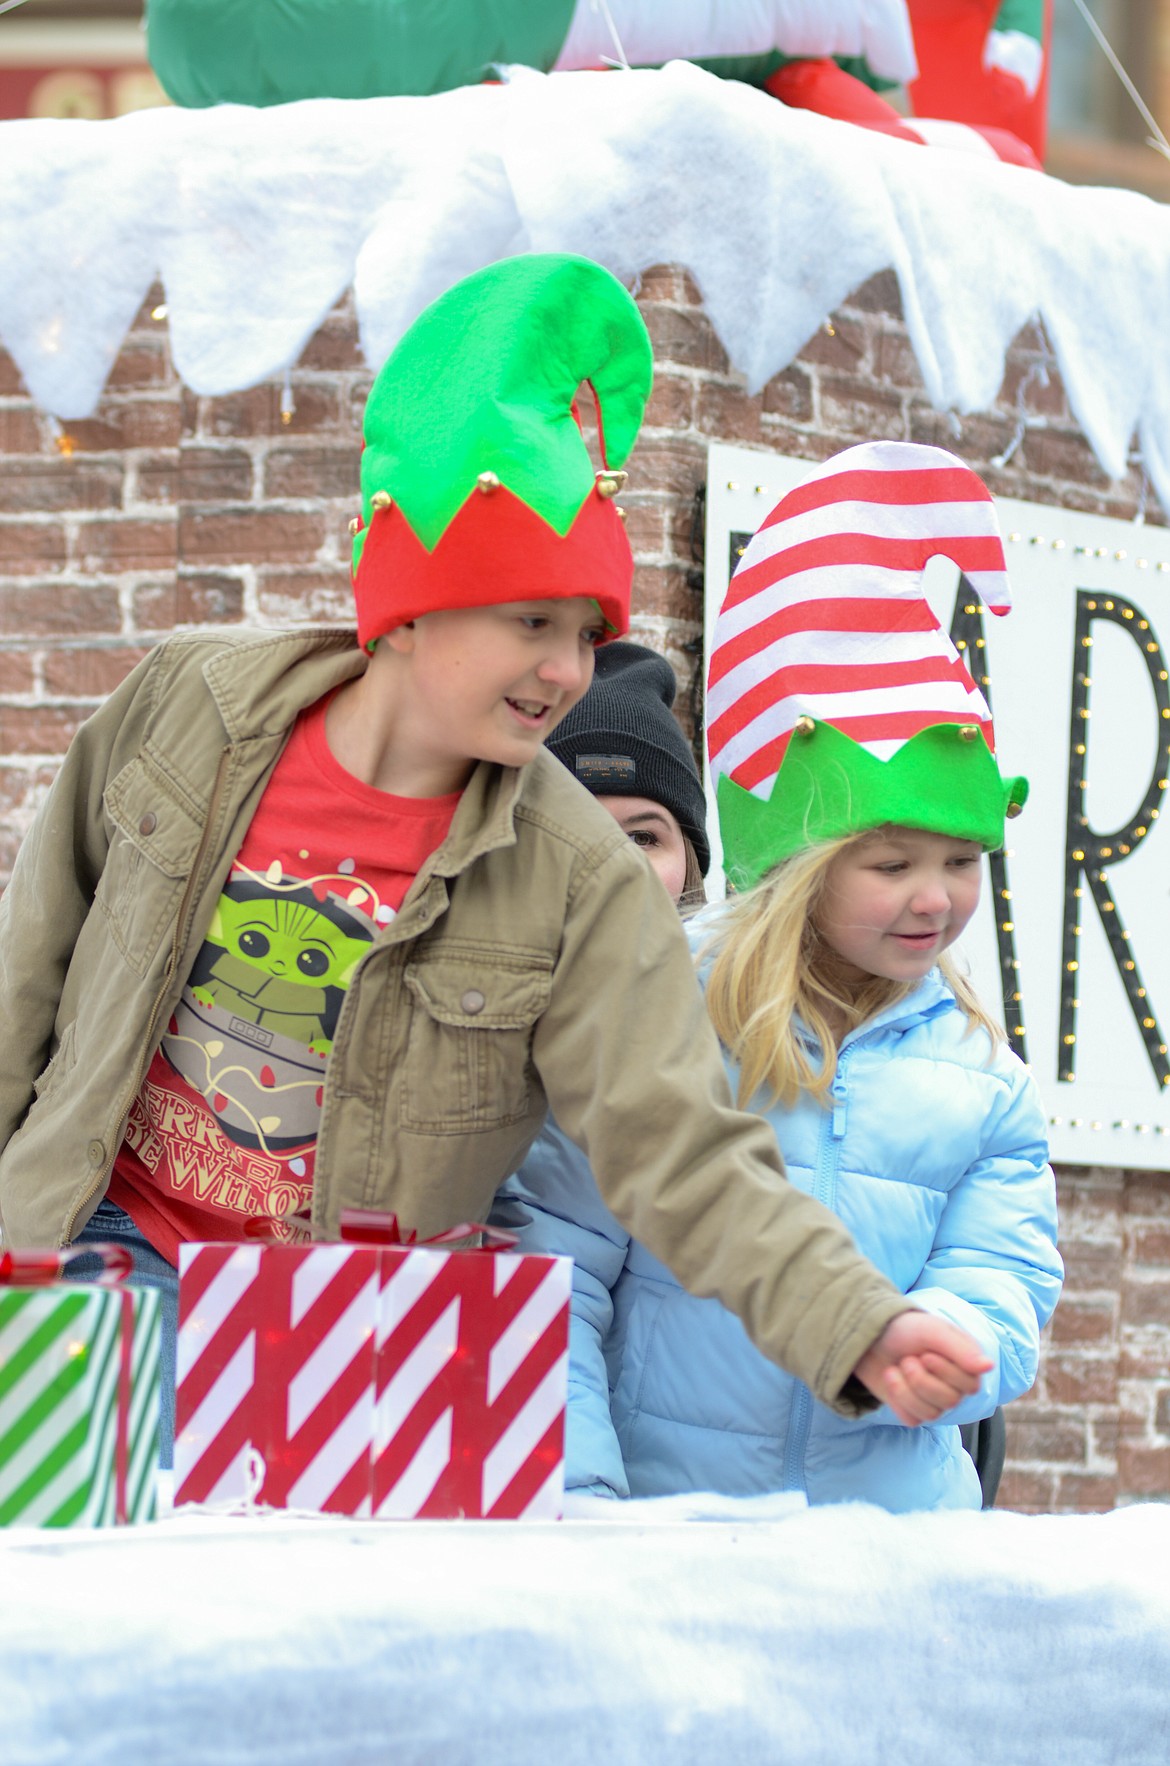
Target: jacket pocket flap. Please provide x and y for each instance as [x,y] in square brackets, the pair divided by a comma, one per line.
[143,807]
[479,995]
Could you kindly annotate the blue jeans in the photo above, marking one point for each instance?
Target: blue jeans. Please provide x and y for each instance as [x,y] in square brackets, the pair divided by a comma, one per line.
[110,1224]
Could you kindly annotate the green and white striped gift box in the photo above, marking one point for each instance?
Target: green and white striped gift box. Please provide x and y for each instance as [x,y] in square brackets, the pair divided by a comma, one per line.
[78,1415]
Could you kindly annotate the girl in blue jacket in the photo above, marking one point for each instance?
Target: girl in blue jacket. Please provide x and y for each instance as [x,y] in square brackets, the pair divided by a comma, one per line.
[857,792]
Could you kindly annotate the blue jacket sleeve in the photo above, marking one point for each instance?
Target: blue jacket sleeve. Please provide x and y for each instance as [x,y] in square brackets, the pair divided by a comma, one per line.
[994,1269]
[553,1205]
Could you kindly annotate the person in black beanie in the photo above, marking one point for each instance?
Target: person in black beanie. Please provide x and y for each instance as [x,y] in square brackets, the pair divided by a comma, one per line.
[623,743]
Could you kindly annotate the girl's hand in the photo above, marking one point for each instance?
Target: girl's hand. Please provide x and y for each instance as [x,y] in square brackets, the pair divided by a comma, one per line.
[921,1366]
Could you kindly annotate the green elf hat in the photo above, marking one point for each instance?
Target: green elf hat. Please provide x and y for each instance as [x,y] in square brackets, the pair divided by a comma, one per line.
[477,487]
[836,702]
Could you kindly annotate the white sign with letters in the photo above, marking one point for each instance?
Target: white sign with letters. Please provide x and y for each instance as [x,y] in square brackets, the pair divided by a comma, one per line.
[1071,947]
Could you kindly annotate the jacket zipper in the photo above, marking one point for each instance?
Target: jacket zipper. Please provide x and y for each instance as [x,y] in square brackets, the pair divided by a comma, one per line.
[824,1190]
[181,924]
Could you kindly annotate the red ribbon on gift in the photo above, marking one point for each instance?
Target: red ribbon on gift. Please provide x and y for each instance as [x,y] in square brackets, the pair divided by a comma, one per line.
[40,1269]
[370,1226]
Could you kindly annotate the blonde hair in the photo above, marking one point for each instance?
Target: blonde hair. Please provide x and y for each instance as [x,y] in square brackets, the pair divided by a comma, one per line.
[770,967]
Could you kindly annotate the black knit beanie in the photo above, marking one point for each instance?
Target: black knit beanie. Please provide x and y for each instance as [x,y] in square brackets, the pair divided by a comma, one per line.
[622,740]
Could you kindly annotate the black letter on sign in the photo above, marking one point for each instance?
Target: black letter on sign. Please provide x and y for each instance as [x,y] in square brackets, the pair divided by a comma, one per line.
[967,637]
[1086,852]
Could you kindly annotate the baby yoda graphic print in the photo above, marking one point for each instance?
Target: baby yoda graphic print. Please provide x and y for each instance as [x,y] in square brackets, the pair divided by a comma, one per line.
[223,1131]
[226,1121]
[256,1021]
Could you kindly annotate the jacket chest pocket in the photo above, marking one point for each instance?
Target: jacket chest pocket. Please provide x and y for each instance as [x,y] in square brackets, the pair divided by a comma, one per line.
[468,1058]
[151,854]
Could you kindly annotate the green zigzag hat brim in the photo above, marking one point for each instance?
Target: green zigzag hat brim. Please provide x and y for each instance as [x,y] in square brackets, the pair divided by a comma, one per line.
[828,786]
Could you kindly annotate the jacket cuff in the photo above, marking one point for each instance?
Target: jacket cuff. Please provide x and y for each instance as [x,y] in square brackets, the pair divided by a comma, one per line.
[837,1384]
[857,1397]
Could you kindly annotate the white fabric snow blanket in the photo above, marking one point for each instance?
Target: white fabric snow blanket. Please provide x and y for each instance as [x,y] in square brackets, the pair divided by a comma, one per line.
[760,1633]
[258,221]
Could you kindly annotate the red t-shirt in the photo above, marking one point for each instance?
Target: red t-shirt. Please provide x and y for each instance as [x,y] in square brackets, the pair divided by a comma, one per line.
[224,1128]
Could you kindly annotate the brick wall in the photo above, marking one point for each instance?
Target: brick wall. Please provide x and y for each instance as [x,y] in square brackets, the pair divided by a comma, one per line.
[166,509]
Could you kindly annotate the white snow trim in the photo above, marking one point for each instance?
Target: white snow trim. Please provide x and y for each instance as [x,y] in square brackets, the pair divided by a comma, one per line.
[1015,53]
[957,137]
[651,31]
[258,221]
[685,1629]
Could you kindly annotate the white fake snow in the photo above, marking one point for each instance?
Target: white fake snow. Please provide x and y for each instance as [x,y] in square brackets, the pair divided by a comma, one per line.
[759,1632]
[259,220]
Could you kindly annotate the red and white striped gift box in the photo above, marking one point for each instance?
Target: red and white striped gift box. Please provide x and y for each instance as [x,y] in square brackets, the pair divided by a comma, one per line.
[372,1380]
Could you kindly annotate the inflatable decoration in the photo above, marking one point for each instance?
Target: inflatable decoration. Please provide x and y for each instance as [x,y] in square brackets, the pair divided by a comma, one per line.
[273,51]
[984,63]
[982,84]
[975,70]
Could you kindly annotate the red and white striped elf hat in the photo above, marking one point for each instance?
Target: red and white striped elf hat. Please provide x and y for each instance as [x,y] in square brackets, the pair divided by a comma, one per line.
[825,625]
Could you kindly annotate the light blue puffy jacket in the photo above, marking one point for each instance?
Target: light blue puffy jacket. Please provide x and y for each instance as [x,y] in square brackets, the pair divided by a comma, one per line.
[934,1154]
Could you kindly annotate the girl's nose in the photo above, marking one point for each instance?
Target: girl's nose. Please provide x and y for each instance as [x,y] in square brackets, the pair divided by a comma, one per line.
[931,898]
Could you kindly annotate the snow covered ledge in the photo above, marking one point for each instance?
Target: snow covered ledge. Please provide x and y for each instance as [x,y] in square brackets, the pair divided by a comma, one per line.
[837,1636]
[258,220]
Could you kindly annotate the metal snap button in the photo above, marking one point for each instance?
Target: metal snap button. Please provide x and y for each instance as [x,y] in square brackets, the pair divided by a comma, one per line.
[95,1152]
[149,823]
[473,1001]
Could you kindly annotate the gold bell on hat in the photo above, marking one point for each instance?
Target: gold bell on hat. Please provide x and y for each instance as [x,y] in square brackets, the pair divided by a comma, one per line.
[381,500]
[488,482]
[609,483]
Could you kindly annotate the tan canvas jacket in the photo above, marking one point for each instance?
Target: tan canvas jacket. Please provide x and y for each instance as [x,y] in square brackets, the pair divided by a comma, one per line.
[536,960]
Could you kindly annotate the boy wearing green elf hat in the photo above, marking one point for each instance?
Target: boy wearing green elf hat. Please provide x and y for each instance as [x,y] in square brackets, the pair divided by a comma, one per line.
[306,924]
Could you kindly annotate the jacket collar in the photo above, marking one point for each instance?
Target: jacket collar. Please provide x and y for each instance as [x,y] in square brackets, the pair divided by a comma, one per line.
[928,1000]
[485,817]
[261,684]
[931,997]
